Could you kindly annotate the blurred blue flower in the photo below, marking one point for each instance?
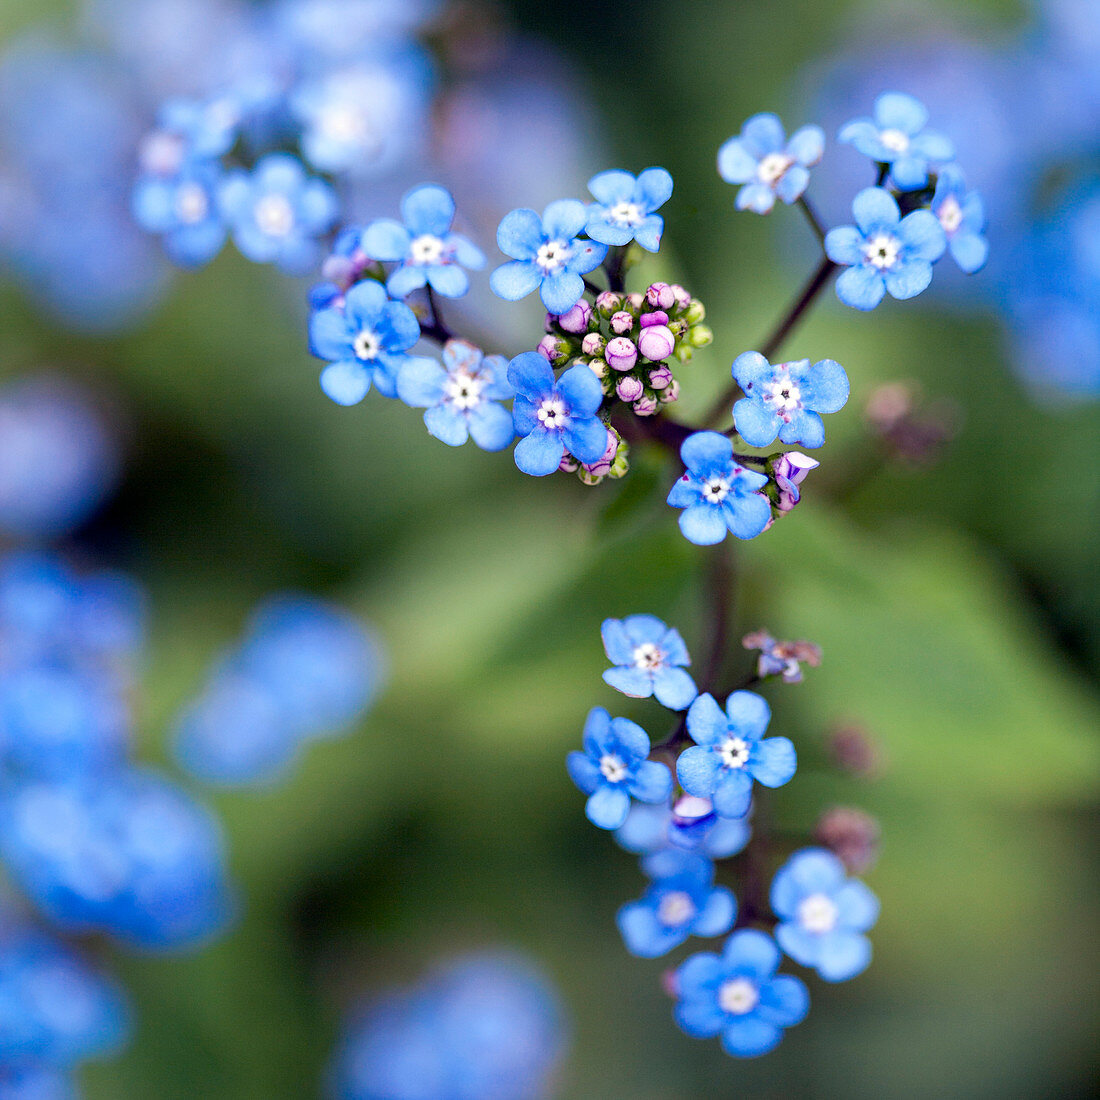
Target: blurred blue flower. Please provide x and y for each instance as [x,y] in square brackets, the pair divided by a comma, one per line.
[277,212]
[896,136]
[424,247]
[365,339]
[884,251]
[183,209]
[34,1081]
[207,128]
[689,824]
[785,399]
[767,164]
[649,659]
[555,416]
[613,767]
[716,493]
[625,206]
[823,914]
[488,1026]
[962,217]
[739,996]
[682,901]
[548,256]
[730,751]
[462,397]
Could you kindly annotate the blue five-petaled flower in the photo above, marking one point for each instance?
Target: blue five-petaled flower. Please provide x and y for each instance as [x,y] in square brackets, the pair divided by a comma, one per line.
[884,251]
[785,399]
[649,659]
[682,901]
[962,216]
[896,136]
[184,209]
[547,255]
[716,493]
[462,397]
[614,766]
[426,249]
[767,164]
[823,914]
[739,996]
[555,416]
[730,751]
[624,207]
[365,339]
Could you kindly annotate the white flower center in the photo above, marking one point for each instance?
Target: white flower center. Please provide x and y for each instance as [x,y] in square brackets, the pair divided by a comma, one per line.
[274,215]
[552,256]
[612,768]
[772,167]
[817,913]
[784,395]
[463,389]
[625,213]
[426,250]
[366,345]
[552,414]
[734,752]
[738,996]
[342,123]
[191,204]
[715,490]
[950,214]
[897,141]
[648,656]
[162,153]
[675,908]
[882,251]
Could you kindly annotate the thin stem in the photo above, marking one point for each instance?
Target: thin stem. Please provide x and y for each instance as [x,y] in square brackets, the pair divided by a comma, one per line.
[614,267]
[720,594]
[813,219]
[435,329]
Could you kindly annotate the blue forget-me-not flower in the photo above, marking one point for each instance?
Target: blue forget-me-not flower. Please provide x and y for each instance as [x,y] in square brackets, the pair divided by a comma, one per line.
[183,209]
[962,216]
[649,659]
[625,206]
[767,164]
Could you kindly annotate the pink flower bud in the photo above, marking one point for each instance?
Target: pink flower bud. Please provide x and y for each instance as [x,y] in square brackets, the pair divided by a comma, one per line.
[670,393]
[635,301]
[339,270]
[680,296]
[621,354]
[660,296]
[656,342]
[645,406]
[629,388]
[576,319]
[608,302]
[602,467]
[660,376]
[852,835]
[657,317]
[622,323]
[593,343]
[568,463]
[790,471]
[552,349]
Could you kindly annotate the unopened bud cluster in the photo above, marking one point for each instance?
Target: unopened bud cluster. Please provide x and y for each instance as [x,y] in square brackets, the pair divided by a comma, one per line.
[628,339]
[613,463]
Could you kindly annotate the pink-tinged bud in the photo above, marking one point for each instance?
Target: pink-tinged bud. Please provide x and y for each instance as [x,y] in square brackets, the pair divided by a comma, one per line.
[670,983]
[598,367]
[656,343]
[553,349]
[855,751]
[549,321]
[629,388]
[670,393]
[339,270]
[645,406]
[608,302]
[568,464]
[621,354]
[660,376]
[576,319]
[635,301]
[622,323]
[593,344]
[680,296]
[660,296]
[602,467]
[790,471]
[852,835]
[657,317]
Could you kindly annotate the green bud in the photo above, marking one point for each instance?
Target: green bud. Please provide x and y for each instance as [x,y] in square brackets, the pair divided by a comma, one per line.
[695,312]
[684,352]
[589,478]
[700,336]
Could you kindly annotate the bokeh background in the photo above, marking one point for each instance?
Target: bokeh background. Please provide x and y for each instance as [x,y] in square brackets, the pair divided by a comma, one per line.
[955,597]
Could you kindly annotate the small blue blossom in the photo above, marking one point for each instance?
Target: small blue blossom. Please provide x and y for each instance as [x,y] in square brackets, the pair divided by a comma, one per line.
[823,914]
[625,205]
[365,339]
[682,901]
[884,251]
[614,766]
[730,751]
[769,165]
[785,399]
[462,397]
[425,247]
[206,128]
[649,659]
[277,212]
[690,825]
[555,416]
[716,493]
[548,256]
[962,216]
[896,136]
[184,209]
[35,1081]
[739,996]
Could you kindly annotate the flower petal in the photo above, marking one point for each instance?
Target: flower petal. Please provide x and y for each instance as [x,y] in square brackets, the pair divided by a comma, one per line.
[346,382]
[428,209]
[539,454]
[520,234]
[607,807]
[515,280]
